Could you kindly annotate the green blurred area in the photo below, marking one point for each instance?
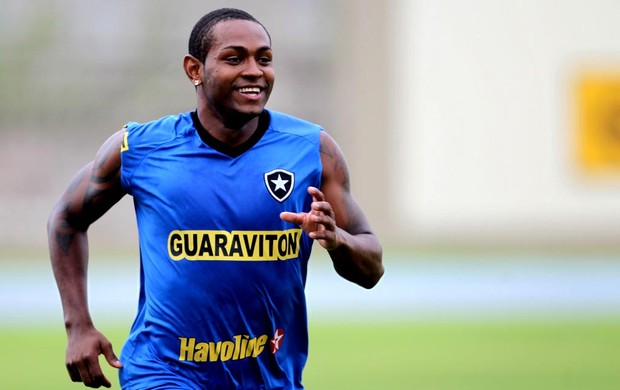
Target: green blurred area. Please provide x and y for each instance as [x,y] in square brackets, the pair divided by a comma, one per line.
[552,322]
[545,355]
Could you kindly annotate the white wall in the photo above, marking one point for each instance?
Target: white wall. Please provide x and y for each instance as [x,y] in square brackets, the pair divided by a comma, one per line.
[484,130]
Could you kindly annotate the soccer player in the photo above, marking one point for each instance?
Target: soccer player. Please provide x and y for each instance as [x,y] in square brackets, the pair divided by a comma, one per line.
[229,198]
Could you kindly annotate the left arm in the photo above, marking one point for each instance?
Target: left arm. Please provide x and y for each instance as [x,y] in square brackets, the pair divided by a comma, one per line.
[338,223]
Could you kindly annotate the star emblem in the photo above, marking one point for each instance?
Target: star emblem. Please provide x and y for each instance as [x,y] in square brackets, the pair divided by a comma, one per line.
[279,183]
[276,341]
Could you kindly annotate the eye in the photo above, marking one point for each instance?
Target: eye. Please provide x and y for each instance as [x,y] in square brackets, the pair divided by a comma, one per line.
[265,60]
[233,60]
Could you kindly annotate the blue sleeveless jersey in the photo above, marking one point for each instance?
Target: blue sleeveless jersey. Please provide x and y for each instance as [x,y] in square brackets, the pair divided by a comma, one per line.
[222,302]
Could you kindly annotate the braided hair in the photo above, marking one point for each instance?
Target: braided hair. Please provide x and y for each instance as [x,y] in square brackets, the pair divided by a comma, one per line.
[201,39]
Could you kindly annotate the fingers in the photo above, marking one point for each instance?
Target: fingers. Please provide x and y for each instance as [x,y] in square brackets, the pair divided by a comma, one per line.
[88,371]
[323,217]
[317,195]
[74,372]
[320,217]
[323,221]
[319,204]
[319,208]
[110,356]
[319,223]
[291,217]
[97,379]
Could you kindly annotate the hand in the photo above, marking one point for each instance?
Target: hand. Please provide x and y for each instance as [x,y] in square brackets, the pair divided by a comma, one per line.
[319,223]
[83,352]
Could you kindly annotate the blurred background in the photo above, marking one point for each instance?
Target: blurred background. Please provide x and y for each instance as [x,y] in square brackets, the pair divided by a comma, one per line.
[483,140]
[464,124]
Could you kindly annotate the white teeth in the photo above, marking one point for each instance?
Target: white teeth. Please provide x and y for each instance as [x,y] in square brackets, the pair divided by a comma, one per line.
[249,90]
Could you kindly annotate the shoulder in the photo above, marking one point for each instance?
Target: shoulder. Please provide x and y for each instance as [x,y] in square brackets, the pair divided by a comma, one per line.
[141,140]
[285,123]
[158,131]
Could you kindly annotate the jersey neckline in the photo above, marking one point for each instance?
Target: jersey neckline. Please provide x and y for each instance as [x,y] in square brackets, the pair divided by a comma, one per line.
[232,151]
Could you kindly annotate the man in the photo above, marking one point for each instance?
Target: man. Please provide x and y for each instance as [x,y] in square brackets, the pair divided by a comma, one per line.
[229,199]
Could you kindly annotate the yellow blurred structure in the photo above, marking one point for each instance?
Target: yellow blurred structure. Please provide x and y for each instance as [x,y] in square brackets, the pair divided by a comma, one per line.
[598,111]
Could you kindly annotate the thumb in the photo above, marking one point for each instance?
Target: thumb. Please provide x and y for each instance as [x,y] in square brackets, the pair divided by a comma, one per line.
[291,217]
[110,356]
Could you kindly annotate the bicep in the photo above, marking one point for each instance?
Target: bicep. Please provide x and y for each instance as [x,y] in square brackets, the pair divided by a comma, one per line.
[336,188]
[96,187]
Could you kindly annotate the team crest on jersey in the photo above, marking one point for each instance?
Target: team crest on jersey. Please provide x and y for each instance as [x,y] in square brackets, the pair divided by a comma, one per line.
[280,184]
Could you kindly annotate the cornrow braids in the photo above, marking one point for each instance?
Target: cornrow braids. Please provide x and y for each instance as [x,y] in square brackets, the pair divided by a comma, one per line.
[201,38]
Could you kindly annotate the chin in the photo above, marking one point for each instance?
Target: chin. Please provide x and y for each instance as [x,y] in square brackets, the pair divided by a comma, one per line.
[237,118]
[250,112]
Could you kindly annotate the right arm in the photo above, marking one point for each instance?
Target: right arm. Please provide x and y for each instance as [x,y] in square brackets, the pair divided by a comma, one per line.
[92,192]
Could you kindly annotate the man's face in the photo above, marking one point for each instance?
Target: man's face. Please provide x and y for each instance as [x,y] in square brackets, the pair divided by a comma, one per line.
[238,74]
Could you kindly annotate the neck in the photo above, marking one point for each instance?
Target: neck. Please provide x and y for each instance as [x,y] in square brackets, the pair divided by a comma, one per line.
[232,130]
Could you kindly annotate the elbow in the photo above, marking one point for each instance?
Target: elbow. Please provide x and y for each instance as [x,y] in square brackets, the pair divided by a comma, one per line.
[62,220]
[363,266]
[52,221]
[372,279]
[369,274]
[57,218]
[375,272]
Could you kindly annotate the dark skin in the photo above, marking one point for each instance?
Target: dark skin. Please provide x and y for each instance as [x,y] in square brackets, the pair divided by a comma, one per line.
[94,190]
[233,85]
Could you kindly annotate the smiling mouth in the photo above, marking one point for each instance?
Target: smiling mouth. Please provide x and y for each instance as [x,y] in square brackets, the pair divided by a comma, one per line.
[250,90]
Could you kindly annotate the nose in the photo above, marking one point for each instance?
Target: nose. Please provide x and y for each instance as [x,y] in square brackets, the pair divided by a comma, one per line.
[252,69]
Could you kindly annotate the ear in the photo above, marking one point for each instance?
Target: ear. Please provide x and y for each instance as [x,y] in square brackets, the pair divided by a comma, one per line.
[193,69]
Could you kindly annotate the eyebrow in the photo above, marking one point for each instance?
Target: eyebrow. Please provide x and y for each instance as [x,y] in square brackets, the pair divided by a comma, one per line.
[243,48]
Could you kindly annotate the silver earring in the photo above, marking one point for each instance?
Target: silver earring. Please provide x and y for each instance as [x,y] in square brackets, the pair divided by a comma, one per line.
[196,82]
